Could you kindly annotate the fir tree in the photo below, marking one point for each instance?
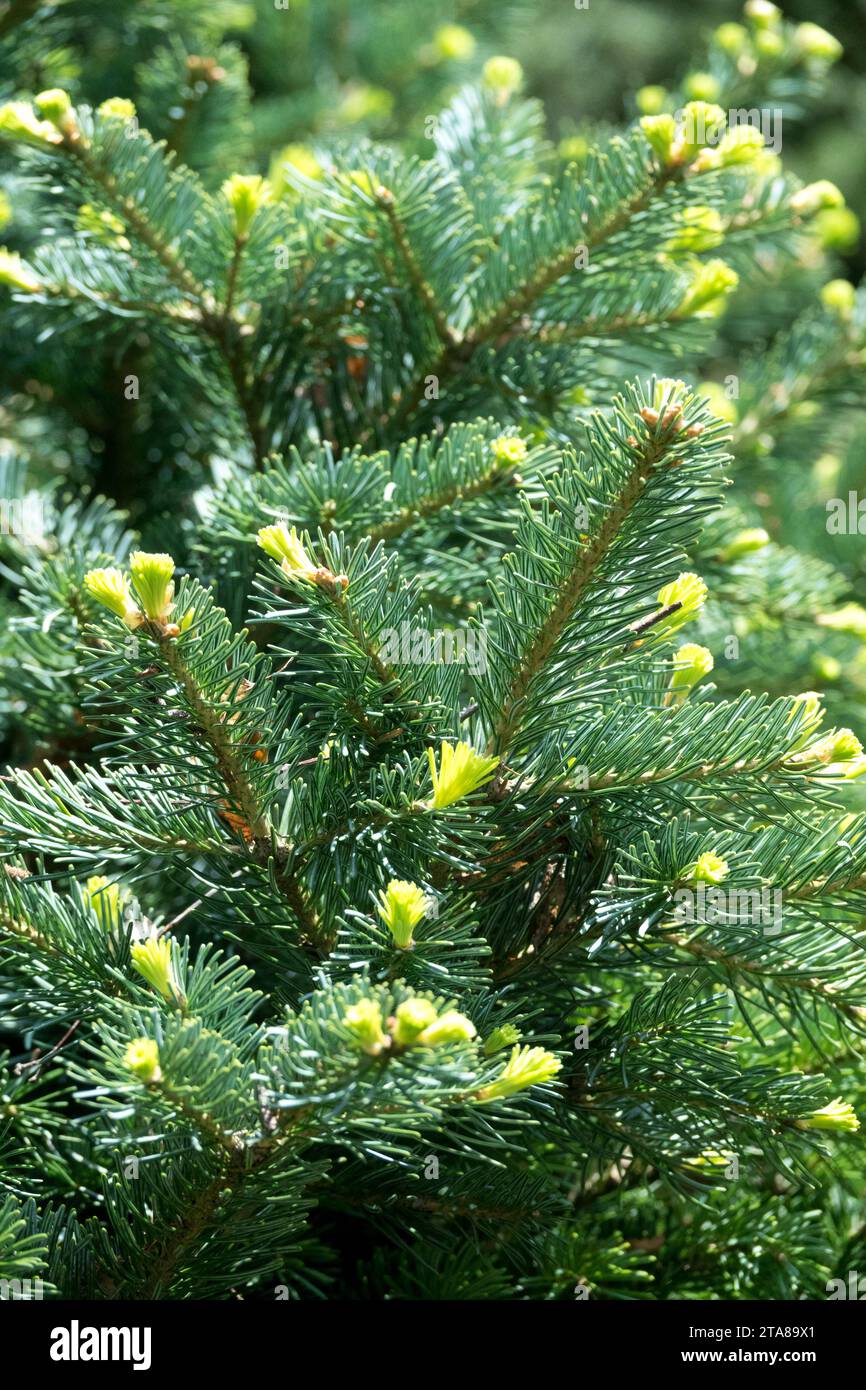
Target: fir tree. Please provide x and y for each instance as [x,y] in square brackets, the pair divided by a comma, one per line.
[391,903]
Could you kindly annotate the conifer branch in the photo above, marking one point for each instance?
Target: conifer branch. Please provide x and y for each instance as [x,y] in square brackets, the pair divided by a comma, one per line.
[790,977]
[430,506]
[165,1252]
[405,932]
[614,781]
[243,795]
[588,563]
[521,299]
[618,325]
[223,327]
[385,674]
[456,354]
[130,212]
[768,409]
[417,280]
[16,926]
[828,887]
[218,735]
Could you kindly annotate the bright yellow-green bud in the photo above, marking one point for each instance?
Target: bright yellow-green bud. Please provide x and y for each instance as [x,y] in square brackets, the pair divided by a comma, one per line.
[245,194]
[364,1021]
[105,898]
[116,109]
[508,449]
[504,1036]
[142,1058]
[152,960]
[449,1027]
[840,296]
[766,164]
[839,752]
[731,38]
[152,577]
[808,703]
[54,105]
[837,229]
[361,101]
[719,401]
[838,1117]
[812,700]
[502,75]
[20,122]
[769,43]
[669,391]
[701,229]
[452,43]
[851,618]
[574,148]
[412,1017]
[286,546]
[16,274]
[688,590]
[701,124]
[301,157]
[826,668]
[691,664]
[713,280]
[845,746]
[814,42]
[527,1066]
[361,178]
[816,196]
[702,86]
[578,397]
[762,13]
[111,588]
[461,771]
[742,144]
[298,157]
[401,907]
[661,133]
[745,543]
[707,868]
[651,100]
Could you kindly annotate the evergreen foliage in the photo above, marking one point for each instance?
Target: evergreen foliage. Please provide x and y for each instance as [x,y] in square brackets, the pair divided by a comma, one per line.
[390,904]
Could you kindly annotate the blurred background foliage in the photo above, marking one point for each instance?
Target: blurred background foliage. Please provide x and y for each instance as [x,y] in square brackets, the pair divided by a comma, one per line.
[269,73]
